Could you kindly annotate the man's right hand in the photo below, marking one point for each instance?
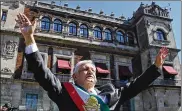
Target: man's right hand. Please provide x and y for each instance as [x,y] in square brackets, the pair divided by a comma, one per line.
[27,28]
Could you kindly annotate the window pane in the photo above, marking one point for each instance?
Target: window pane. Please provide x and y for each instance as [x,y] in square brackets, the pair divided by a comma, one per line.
[4,15]
[45,23]
[34,102]
[72,28]
[97,33]
[55,27]
[119,37]
[107,35]
[57,21]
[83,30]
[59,28]
[31,101]
[46,19]
[127,39]
[47,26]
[42,25]
[28,101]
[160,35]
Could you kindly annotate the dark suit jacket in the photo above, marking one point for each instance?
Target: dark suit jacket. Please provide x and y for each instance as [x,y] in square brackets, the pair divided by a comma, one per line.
[60,96]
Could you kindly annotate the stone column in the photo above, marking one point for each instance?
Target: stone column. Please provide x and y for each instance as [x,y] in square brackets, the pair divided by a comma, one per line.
[65,30]
[90,34]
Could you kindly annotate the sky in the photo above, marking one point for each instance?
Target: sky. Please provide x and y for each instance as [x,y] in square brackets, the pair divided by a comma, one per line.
[126,8]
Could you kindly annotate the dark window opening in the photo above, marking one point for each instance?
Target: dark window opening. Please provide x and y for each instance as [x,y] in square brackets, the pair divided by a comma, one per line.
[102,70]
[4,16]
[124,74]
[160,35]
[63,66]
[129,39]
[169,72]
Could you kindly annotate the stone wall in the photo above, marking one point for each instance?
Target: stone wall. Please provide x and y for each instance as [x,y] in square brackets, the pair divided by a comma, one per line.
[9,48]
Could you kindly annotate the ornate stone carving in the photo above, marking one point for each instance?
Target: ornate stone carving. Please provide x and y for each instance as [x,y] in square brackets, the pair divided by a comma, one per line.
[11,4]
[156,10]
[9,49]
[6,70]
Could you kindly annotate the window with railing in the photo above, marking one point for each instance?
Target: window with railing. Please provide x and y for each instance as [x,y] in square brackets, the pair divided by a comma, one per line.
[45,24]
[31,101]
[57,25]
[63,66]
[72,29]
[83,31]
[97,33]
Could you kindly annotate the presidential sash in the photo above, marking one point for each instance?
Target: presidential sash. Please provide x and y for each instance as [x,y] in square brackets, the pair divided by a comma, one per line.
[84,100]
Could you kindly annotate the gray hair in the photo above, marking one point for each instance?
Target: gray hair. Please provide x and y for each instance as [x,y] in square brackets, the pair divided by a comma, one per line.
[77,66]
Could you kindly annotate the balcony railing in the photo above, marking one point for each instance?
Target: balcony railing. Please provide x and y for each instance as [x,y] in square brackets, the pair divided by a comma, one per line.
[28,76]
[167,82]
[102,81]
[63,77]
[67,78]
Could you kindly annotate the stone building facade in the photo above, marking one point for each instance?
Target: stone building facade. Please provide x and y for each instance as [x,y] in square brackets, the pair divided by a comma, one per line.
[120,48]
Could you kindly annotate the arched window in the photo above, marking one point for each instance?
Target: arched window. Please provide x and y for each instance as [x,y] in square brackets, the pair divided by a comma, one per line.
[120,37]
[45,23]
[129,39]
[160,35]
[57,25]
[84,31]
[97,33]
[72,29]
[108,35]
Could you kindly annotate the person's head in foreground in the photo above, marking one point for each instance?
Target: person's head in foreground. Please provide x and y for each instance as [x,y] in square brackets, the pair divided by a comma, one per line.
[84,74]
[5,107]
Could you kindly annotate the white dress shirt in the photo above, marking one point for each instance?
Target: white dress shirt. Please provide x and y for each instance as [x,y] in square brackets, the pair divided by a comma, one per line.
[31,48]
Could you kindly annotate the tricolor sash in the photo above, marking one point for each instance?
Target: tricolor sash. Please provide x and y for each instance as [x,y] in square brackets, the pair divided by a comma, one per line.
[84,100]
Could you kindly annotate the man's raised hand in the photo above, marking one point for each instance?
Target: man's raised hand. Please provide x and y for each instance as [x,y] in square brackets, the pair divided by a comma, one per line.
[160,58]
[27,28]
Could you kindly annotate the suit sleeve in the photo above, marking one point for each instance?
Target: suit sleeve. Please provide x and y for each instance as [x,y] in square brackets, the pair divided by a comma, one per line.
[139,84]
[43,75]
